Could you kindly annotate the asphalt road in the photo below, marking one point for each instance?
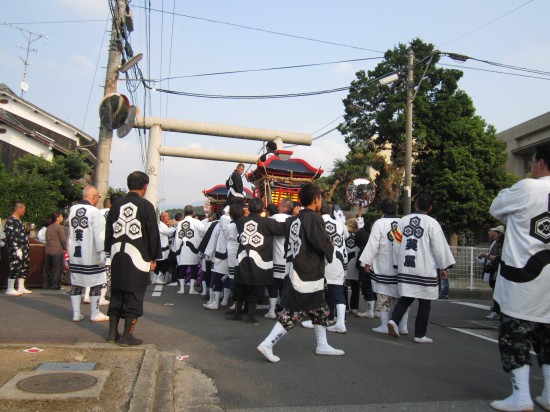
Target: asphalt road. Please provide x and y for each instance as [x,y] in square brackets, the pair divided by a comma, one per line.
[460,371]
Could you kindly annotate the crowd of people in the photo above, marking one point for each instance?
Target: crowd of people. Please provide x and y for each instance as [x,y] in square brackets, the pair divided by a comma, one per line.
[304,259]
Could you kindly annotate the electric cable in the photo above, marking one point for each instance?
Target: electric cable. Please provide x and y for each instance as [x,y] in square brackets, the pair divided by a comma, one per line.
[268,31]
[264,69]
[58,22]
[486,24]
[95,73]
[493,71]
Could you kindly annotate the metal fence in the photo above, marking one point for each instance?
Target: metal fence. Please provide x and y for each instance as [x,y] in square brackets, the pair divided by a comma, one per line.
[468,272]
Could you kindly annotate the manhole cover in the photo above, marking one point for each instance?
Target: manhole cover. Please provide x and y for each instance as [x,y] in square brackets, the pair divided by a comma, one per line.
[57,382]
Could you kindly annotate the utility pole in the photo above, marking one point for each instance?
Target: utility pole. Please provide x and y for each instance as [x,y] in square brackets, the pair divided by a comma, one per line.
[116,44]
[408,136]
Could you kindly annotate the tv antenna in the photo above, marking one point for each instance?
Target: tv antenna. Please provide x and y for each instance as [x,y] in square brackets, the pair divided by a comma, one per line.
[31,37]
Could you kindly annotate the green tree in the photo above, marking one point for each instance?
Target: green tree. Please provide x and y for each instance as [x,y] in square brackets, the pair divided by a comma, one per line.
[457,158]
[40,195]
[68,172]
[198,210]
[116,191]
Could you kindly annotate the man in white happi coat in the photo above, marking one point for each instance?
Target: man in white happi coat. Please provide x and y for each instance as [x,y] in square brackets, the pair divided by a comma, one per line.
[280,265]
[335,271]
[107,286]
[419,243]
[166,232]
[523,285]
[189,233]
[352,272]
[377,258]
[87,257]
[220,265]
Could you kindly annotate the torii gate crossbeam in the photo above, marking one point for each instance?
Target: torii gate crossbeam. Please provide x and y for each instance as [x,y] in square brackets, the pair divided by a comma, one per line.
[154,148]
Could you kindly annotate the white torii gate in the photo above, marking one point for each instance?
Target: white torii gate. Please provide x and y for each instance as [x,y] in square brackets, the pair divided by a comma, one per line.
[155,149]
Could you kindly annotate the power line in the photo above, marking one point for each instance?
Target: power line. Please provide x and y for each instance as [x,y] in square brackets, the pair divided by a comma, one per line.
[257,97]
[265,69]
[508,66]
[95,73]
[254,97]
[493,71]
[58,22]
[324,134]
[265,31]
[486,24]
[328,124]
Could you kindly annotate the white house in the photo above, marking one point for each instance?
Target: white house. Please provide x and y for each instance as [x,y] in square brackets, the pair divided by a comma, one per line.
[26,128]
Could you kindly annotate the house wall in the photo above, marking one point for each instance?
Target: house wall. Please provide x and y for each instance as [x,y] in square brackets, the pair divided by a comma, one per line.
[521,141]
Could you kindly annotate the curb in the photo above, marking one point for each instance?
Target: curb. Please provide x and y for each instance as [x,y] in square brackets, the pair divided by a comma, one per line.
[143,396]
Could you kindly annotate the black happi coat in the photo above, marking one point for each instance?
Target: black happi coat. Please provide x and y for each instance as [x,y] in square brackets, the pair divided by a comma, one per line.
[132,237]
[309,246]
[255,253]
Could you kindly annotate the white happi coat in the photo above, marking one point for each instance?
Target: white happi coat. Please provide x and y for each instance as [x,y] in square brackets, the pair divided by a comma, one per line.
[231,235]
[104,212]
[166,233]
[422,244]
[189,233]
[523,286]
[86,240]
[352,273]
[336,270]
[378,253]
[280,265]
[221,265]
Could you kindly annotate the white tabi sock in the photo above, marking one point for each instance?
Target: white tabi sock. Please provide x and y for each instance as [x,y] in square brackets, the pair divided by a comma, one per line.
[544,399]
[323,348]
[384,317]
[266,347]
[340,325]
[226,296]
[520,399]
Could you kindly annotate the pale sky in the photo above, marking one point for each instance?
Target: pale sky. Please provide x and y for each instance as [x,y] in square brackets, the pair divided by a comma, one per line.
[66,73]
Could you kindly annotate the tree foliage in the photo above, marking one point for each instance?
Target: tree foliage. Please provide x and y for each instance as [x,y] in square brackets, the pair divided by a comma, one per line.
[66,171]
[42,185]
[456,155]
[198,210]
[40,195]
[118,191]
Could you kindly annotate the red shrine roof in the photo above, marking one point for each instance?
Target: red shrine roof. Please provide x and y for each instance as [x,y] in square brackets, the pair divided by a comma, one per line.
[282,165]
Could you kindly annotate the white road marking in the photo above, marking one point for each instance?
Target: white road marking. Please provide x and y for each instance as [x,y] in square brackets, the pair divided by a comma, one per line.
[475,334]
[473,305]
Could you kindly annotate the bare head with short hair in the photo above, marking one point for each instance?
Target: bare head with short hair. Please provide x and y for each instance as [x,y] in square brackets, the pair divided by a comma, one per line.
[310,196]
[91,194]
[165,217]
[137,181]
[189,210]
[19,209]
[286,205]
[540,166]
